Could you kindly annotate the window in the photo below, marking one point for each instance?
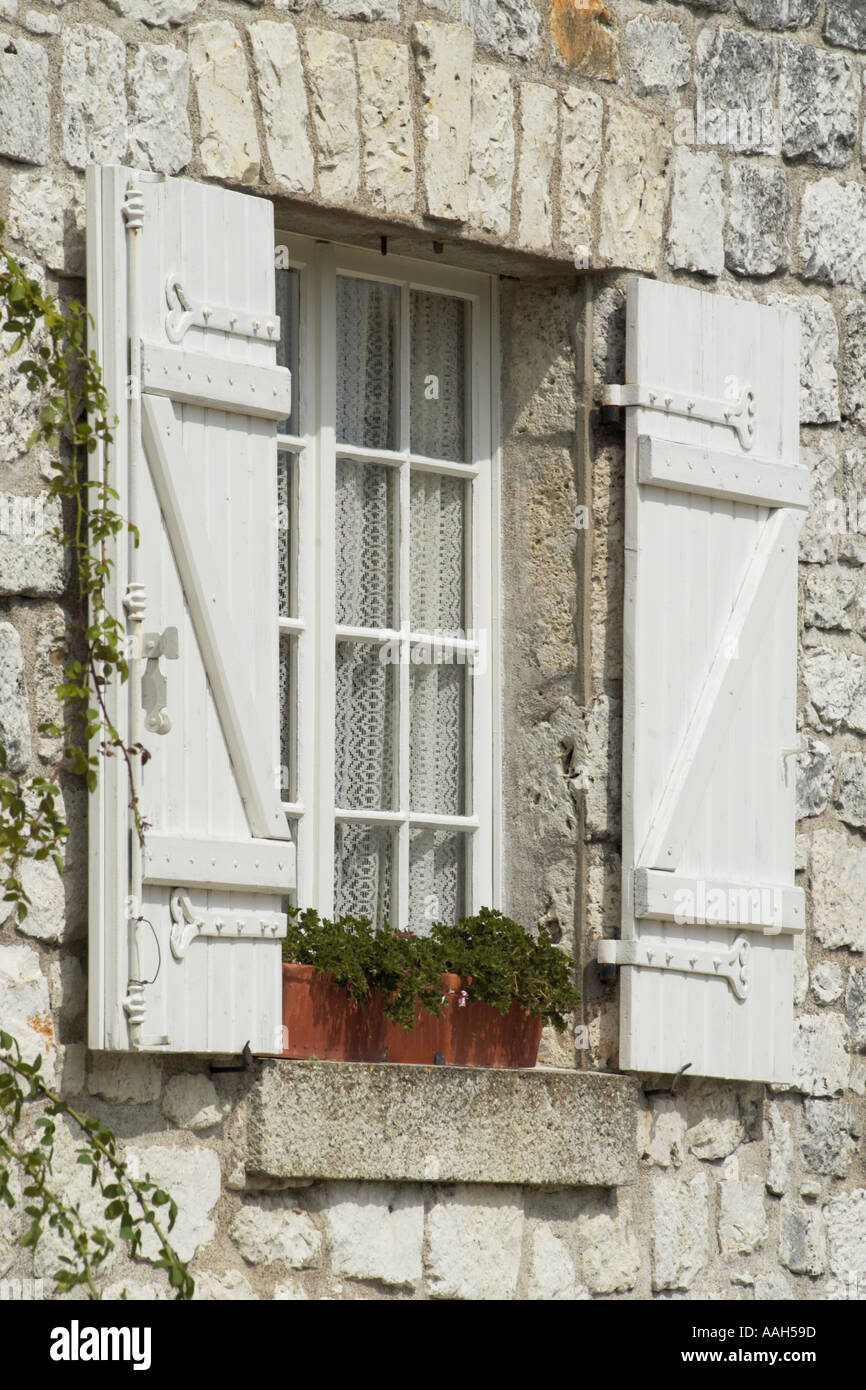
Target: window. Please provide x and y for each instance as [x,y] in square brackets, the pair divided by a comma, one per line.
[386,526]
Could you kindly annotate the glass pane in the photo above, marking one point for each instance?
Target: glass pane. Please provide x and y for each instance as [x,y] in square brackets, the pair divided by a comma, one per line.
[364,727]
[363,860]
[289,310]
[436,878]
[286,539]
[365,543]
[437,743]
[437,550]
[437,411]
[368,355]
[288,720]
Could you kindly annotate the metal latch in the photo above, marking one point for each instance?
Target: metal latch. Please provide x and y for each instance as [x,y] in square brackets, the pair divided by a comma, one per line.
[737,414]
[732,965]
[154,688]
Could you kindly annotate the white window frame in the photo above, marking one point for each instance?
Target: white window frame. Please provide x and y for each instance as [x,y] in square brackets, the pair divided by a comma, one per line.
[313,812]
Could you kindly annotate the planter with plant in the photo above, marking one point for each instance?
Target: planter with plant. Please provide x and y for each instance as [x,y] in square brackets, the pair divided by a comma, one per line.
[477,993]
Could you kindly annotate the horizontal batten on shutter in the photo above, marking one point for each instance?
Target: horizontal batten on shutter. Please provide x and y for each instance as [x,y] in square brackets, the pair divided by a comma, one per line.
[714,473]
[257,866]
[216,382]
[768,907]
[741,637]
[209,607]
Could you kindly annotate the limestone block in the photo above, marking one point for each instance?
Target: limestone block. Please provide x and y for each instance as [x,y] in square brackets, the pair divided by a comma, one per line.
[14,708]
[778,14]
[820,104]
[819,352]
[846,1234]
[845,23]
[156,12]
[25,108]
[272,1229]
[815,777]
[657,56]
[229,142]
[159,135]
[736,89]
[47,216]
[833,233]
[334,105]
[696,232]
[581,116]
[781,1151]
[386,125]
[551,1272]
[192,1177]
[680,1226]
[802,1239]
[852,788]
[830,1140]
[743,1224]
[283,97]
[491,167]
[538,116]
[758,238]
[25,1011]
[473,1244]
[93,96]
[509,28]
[838,881]
[190,1100]
[821,1054]
[32,560]
[443,57]
[376,1232]
[855,1007]
[124,1080]
[853,360]
[608,1251]
[633,192]
[827,982]
[836,686]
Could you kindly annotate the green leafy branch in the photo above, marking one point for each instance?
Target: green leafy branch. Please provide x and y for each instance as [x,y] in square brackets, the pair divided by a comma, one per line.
[73,422]
[131,1203]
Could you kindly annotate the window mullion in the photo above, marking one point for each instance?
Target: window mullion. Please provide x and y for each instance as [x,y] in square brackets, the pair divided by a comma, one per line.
[403,675]
[326,400]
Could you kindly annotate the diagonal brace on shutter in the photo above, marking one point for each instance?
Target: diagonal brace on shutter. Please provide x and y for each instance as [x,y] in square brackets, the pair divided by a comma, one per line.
[209,609]
[702,741]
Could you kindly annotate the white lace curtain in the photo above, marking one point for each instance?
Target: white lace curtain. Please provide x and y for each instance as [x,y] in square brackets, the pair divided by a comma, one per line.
[368,415]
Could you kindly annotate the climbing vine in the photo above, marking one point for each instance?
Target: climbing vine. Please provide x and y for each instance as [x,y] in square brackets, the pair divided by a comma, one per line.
[132,1204]
[73,422]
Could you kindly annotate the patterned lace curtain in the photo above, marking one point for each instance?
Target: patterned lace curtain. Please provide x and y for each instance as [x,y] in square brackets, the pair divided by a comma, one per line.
[438,685]
[368,415]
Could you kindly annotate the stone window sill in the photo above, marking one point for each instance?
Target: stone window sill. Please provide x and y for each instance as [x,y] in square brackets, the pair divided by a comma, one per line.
[384,1122]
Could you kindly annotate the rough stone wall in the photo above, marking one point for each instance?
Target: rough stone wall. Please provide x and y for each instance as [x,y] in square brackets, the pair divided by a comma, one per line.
[721,144]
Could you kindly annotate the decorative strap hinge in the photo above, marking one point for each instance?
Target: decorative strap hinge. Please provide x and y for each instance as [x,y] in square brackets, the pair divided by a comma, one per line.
[189,925]
[732,965]
[185,312]
[738,413]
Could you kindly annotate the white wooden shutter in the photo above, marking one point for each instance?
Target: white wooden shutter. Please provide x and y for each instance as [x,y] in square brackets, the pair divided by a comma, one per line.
[715,498]
[181,288]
